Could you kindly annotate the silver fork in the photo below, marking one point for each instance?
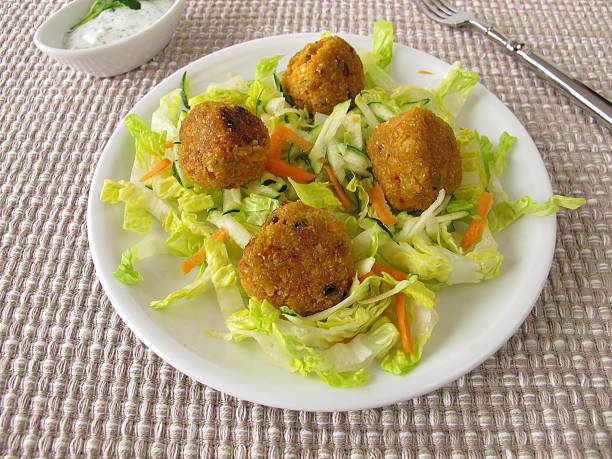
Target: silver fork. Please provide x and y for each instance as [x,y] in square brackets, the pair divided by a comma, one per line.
[598,105]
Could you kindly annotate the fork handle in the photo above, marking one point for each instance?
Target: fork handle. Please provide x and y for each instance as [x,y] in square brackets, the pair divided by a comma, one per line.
[598,105]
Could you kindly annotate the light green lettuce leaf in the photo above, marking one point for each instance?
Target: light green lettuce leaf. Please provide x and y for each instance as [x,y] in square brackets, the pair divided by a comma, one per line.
[408,95]
[495,160]
[200,284]
[422,321]
[315,194]
[140,204]
[473,174]
[486,255]
[192,202]
[257,208]
[136,218]
[149,246]
[506,212]
[454,90]
[150,146]
[383,42]
[166,117]
[224,277]
[375,75]
[266,67]
[328,131]
[360,187]
[341,365]
[365,245]
[167,187]
[234,90]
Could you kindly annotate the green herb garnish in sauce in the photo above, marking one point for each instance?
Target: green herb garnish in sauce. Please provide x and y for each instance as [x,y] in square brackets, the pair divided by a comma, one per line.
[101,5]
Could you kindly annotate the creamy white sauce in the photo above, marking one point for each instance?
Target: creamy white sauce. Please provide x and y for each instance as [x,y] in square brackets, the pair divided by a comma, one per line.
[116,23]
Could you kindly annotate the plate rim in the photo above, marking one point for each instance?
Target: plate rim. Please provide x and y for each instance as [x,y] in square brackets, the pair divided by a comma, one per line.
[173,358]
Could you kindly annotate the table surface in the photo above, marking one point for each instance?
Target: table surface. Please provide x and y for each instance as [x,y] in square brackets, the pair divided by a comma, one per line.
[75,381]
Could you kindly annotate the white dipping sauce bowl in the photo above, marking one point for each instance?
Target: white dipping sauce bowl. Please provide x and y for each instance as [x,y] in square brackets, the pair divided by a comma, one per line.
[113,58]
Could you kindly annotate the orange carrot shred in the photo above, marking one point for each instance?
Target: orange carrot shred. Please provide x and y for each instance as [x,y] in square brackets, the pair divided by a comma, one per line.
[425,72]
[382,209]
[160,166]
[276,143]
[200,256]
[477,226]
[366,275]
[284,169]
[346,202]
[221,234]
[284,134]
[394,273]
[169,143]
[290,136]
[402,322]
[378,269]
[191,262]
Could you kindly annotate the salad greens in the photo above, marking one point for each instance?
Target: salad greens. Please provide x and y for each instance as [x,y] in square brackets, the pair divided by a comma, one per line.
[100,5]
[338,344]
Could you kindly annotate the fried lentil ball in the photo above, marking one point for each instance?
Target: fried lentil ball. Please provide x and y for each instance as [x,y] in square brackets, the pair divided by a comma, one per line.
[324,74]
[301,257]
[414,155]
[223,145]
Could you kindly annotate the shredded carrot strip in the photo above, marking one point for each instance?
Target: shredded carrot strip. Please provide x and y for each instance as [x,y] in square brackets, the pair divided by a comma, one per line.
[402,322]
[382,209]
[276,143]
[290,136]
[200,256]
[284,169]
[366,275]
[169,143]
[395,273]
[425,72]
[189,263]
[160,166]
[378,269]
[284,134]
[346,202]
[221,234]
[476,227]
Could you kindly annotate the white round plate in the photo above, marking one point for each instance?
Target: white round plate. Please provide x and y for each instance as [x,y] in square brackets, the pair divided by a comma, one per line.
[475,320]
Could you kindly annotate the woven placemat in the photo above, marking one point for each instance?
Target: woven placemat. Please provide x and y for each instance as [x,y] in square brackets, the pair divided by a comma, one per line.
[75,381]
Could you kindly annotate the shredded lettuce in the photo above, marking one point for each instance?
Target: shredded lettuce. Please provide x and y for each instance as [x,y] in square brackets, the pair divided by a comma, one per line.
[149,246]
[506,212]
[149,146]
[200,284]
[454,90]
[383,42]
[315,194]
[339,344]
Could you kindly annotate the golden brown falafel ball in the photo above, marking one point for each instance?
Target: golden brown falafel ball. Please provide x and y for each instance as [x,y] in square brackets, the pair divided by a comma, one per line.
[223,145]
[414,155]
[301,257]
[324,74]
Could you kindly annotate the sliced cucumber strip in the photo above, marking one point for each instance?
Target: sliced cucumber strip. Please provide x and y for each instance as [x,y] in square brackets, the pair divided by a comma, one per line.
[335,161]
[186,91]
[236,231]
[381,111]
[180,176]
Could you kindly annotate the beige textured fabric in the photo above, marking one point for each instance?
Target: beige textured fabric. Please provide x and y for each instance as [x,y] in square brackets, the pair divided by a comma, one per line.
[74,380]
